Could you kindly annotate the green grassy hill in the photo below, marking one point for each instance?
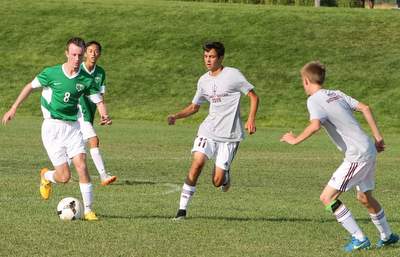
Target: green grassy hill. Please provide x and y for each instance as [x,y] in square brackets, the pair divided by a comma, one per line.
[153,57]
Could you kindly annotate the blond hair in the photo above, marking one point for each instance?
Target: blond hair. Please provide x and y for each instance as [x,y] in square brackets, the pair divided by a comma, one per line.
[314,71]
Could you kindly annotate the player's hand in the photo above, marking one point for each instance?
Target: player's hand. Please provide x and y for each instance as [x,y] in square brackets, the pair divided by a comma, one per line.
[105,120]
[380,145]
[250,126]
[8,116]
[171,120]
[289,138]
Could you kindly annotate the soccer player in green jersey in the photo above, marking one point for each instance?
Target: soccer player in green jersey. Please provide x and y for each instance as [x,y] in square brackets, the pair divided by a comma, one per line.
[62,86]
[88,110]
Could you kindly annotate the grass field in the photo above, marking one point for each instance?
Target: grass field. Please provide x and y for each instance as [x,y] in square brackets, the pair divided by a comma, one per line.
[153,58]
[273,207]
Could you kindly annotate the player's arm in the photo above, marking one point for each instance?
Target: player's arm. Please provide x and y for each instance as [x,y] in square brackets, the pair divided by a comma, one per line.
[186,112]
[292,139]
[251,120]
[369,117]
[101,106]
[104,118]
[25,92]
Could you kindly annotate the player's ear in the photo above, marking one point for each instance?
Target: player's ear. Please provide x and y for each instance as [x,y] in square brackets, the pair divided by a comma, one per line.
[66,53]
[306,81]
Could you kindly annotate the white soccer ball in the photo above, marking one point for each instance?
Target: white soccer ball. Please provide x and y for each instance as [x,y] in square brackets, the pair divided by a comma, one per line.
[69,208]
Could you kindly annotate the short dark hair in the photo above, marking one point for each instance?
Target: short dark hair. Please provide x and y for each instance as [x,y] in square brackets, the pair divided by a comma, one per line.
[76,41]
[218,46]
[314,71]
[93,42]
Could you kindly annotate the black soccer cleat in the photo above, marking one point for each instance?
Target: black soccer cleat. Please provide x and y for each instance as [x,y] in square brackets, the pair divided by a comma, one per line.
[180,215]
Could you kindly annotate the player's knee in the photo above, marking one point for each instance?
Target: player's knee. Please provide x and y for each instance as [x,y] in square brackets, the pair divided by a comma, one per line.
[363,198]
[81,167]
[197,166]
[64,177]
[94,142]
[325,199]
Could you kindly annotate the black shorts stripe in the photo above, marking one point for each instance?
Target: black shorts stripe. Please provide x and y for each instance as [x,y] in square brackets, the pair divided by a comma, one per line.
[348,176]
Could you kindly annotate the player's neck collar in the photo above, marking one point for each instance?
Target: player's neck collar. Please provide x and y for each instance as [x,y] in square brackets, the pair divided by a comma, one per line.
[87,70]
[70,76]
[219,71]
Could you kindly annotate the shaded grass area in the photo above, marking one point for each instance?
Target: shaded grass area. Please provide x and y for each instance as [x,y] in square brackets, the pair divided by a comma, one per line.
[272,208]
[153,58]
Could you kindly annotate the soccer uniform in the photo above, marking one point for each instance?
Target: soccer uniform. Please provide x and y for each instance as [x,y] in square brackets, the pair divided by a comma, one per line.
[220,133]
[334,110]
[86,106]
[59,103]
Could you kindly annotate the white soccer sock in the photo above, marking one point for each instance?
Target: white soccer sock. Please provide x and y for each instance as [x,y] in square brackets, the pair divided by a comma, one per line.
[49,175]
[379,219]
[344,217]
[98,162]
[186,195]
[87,196]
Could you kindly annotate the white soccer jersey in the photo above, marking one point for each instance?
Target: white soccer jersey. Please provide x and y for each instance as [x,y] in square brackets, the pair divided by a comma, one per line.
[335,109]
[223,92]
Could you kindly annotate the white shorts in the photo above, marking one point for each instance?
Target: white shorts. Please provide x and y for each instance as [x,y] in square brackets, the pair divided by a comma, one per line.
[62,140]
[350,174]
[222,152]
[87,129]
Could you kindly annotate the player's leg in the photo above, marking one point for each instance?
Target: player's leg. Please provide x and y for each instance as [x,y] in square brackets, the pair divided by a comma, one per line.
[376,212]
[343,179]
[202,150]
[378,217]
[218,176]
[226,152]
[60,174]
[85,185]
[52,137]
[76,150]
[189,187]
[105,178]
[89,135]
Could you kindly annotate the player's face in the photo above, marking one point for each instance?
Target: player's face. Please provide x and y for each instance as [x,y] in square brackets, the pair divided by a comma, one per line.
[74,56]
[92,53]
[211,60]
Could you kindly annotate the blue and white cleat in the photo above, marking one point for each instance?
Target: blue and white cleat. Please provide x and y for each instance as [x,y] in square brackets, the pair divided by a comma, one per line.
[392,240]
[356,244]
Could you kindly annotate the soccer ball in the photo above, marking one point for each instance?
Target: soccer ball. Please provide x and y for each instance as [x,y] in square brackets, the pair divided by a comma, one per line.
[69,208]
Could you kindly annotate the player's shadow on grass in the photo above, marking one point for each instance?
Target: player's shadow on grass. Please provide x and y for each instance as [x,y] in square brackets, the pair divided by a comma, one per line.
[240,219]
[132,183]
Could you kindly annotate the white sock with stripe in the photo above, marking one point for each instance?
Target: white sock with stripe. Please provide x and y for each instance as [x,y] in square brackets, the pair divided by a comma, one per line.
[379,219]
[344,217]
[186,195]
[87,196]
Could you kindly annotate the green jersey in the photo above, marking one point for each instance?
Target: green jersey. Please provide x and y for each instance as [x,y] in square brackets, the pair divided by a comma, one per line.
[88,107]
[61,93]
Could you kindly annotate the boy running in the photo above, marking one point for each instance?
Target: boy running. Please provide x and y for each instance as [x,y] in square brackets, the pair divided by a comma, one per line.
[88,109]
[62,86]
[334,111]
[220,133]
